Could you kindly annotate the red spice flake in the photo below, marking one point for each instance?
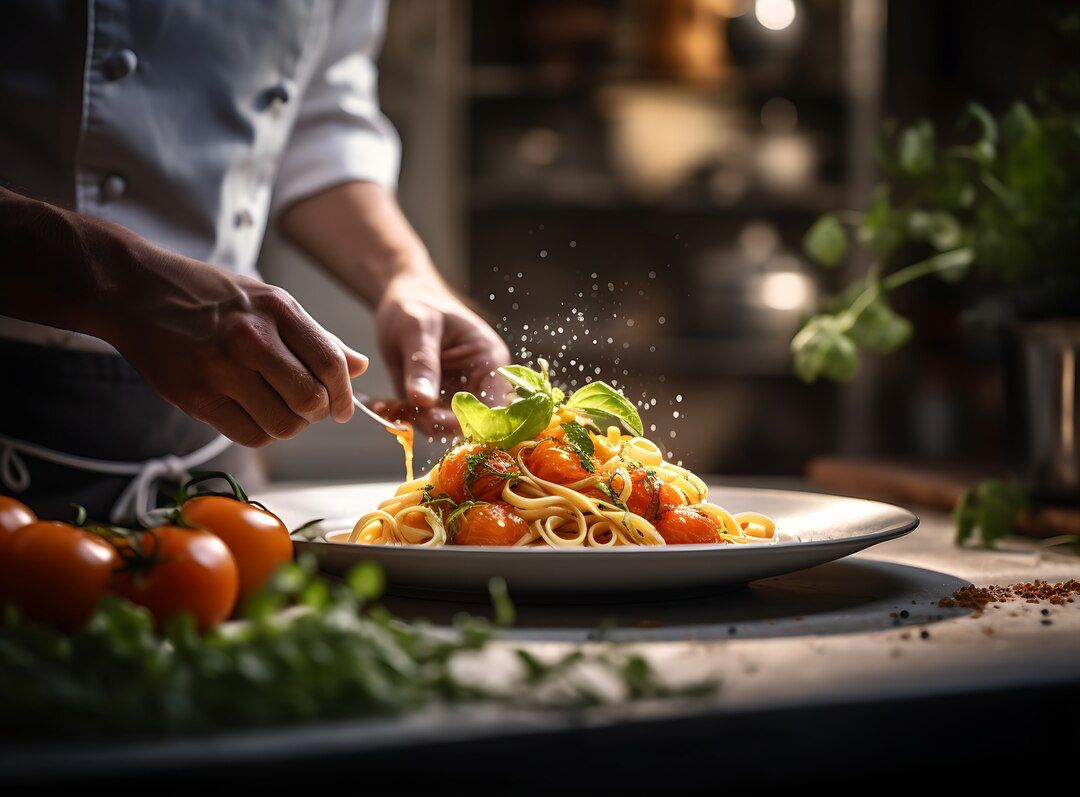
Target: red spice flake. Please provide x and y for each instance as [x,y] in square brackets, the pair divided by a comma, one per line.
[977,598]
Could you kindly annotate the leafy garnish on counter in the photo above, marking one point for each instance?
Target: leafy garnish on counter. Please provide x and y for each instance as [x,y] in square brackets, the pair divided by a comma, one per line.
[990,510]
[337,657]
[577,437]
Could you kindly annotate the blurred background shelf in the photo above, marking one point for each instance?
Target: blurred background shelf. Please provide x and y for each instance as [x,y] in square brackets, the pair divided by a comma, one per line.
[598,142]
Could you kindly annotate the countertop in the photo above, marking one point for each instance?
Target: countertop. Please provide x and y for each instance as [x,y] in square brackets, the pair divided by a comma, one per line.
[854,656]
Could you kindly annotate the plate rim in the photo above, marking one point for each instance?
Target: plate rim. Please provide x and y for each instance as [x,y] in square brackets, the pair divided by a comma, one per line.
[893,531]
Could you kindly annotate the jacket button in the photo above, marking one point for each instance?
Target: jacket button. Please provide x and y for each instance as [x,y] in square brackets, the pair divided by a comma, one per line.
[113,187]
[120,64]
[278,94]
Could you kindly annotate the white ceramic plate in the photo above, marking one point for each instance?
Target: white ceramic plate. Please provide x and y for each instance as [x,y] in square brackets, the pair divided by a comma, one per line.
[816,529]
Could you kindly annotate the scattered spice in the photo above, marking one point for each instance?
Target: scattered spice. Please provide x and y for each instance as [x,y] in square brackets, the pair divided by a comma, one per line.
[924,634]
[977,598]
[905,613]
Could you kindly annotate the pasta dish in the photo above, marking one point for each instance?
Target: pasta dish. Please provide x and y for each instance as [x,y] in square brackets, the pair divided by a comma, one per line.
[548,470]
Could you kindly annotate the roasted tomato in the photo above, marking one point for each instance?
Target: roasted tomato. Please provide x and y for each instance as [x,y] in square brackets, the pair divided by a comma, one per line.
[182,571]
[553,462]
[13,515]
[684,525]
[56,574]
[649,497]
[488,524]
[475,472]
[258,540]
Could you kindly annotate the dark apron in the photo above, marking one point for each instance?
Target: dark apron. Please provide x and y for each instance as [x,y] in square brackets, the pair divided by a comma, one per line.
[94,405]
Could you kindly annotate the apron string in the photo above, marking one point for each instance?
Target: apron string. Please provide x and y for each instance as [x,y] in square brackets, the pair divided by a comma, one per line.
[138,498]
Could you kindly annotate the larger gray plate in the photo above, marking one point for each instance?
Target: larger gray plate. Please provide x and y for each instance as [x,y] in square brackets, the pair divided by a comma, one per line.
[817,528]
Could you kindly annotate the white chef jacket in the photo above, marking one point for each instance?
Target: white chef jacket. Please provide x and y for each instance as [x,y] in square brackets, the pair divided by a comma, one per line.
[188,121]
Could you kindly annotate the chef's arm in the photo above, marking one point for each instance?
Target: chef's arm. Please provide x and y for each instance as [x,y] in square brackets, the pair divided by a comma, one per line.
[239,355]
[432,343]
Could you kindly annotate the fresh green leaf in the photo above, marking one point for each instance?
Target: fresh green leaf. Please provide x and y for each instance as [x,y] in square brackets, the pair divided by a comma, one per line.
[989,509]
[500,600]
[577,437]
[826,241]
[883,228]
[367,580]
[938,228]
[822,348]
[502,426]
[1018,123]
[879,328]
[528,382]
[601,402]
[916,148]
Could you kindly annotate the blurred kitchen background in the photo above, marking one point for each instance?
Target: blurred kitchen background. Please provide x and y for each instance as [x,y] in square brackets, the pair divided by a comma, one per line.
[640,173]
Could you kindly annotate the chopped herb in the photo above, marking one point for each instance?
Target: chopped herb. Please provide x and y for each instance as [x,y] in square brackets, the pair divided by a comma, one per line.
[478,464]
[578,440]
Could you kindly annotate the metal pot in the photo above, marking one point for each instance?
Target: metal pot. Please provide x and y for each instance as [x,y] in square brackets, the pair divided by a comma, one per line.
[1042,381]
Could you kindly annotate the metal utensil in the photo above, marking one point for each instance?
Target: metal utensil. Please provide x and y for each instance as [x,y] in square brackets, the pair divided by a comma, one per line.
[397,427]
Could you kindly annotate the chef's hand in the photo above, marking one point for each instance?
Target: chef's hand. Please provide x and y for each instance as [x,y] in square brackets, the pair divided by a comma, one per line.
[242,356]
[235,353]
[435,346]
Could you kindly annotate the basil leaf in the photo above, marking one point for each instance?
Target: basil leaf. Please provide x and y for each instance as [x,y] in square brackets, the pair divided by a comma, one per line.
[880,328]
[577,437]
[990,509]
[916,151]
[502,426]
[528,382]
[600,401]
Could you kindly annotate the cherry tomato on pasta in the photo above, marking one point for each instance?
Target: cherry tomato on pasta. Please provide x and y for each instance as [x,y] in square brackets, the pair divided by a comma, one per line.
[552,462]
[650,496]
[475,472]
[56,573]
[258,540]
[489,524]
[684,525]
[13,516]
[186,571]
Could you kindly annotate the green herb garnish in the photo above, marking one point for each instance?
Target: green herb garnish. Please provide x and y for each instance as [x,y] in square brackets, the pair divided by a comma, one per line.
[601,402]
[577,439]
[538,400]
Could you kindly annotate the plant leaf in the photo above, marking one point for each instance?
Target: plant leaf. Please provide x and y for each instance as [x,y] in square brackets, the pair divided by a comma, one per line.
[989,509]
[577,437]
[822,348]
[938,228]
[953,266]
[601,401]
[826,241]
[916,148]
[879,328]
[528,382]
[502,426]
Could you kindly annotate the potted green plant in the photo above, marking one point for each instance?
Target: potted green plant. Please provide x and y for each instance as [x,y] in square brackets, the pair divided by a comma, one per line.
[999,203]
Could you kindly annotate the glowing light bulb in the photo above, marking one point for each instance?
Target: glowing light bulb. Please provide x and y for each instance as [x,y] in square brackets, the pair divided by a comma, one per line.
[775,14]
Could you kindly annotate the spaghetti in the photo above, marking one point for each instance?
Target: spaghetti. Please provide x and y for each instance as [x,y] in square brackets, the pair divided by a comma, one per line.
[569,484]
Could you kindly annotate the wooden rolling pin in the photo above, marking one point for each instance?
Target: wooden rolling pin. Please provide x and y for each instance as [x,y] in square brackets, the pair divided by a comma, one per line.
[927,486]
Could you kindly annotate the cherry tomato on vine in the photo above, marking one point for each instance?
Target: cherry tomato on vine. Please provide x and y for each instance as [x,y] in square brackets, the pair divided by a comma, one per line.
[489,524]
[258,540]
[475,472]
[684,525]
[13,516]
[181,571]
[56,573]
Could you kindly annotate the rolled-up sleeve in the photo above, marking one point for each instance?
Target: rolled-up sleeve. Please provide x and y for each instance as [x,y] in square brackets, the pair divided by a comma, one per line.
[340,134]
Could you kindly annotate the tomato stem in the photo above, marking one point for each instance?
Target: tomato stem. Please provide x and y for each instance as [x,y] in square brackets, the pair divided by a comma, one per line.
[204,476]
